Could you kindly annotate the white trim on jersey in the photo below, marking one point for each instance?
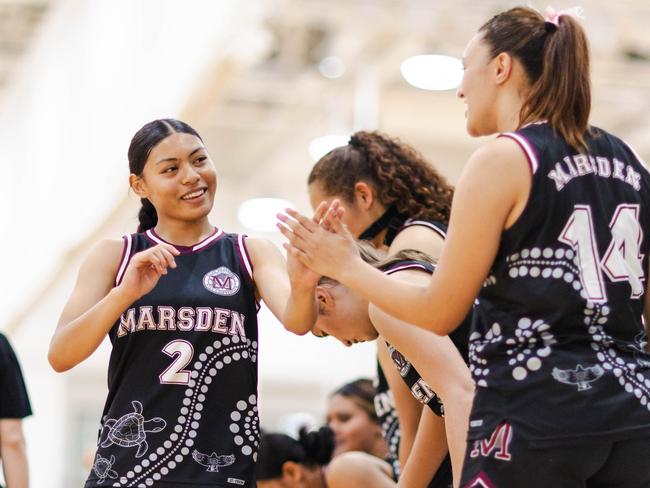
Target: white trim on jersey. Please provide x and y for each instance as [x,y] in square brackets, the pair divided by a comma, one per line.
[424,223]
[243,254]
[154,238]
[125,259]
[214,236]
[407,266]
[525,145]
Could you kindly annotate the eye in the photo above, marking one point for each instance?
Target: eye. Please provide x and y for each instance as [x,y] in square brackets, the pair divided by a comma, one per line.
[201,160]
[170,169]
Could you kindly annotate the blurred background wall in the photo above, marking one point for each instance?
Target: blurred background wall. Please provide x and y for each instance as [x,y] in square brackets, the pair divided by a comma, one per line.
[262,81]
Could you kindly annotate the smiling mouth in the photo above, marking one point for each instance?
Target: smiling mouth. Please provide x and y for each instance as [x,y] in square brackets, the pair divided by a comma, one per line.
[194,194]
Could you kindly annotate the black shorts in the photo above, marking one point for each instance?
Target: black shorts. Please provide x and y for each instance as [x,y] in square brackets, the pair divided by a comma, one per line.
[505,460]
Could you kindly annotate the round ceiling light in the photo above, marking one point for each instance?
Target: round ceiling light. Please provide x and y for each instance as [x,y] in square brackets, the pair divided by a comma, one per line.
[320,146]
[331,67]
[259,214]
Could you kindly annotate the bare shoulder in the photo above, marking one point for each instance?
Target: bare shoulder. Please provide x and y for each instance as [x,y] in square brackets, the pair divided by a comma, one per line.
[260,249]
[356,465]
[501,153]
[418,237]
[105,256]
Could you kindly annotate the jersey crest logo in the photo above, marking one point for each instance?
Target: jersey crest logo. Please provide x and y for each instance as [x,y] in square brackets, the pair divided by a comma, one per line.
[401,363]
[221,281]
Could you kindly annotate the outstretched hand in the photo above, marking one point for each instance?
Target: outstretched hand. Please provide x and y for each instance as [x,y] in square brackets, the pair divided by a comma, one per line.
[323,244]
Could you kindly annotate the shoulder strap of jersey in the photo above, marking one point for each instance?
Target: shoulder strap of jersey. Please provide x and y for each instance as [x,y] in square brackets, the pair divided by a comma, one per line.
[409,264]
[526,146]
[127,252]
[436,226]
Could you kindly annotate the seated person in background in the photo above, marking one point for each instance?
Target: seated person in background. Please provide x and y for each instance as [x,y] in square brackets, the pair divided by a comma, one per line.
[14,406]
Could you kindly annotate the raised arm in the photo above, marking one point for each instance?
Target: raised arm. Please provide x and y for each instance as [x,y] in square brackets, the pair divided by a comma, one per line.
[95,304]
[289,295]
[489,197]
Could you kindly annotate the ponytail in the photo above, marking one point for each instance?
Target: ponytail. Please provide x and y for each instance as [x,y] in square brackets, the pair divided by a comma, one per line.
[147,216]
[312,449]
[556,61]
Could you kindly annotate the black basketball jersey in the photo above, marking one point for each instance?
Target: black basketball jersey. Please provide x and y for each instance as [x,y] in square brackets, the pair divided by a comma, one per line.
[182,402]
[557,348]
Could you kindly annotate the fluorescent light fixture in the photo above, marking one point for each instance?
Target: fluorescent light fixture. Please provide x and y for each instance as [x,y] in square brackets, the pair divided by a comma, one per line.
[259,213]
[331,67]
[320,146]
[433,71]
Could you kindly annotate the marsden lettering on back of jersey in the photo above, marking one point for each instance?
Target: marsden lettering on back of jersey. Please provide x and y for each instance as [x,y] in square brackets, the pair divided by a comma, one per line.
[186,319]
[583,164]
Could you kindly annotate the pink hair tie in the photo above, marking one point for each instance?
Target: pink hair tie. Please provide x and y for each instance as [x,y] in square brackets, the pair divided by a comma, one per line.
[553,16]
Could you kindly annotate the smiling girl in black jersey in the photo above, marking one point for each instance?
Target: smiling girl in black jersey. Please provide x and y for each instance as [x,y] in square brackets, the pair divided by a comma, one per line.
[178,301]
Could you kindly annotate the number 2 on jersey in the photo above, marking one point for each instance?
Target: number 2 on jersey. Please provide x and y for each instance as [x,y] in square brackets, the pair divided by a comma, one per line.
[622,260]
[182,352]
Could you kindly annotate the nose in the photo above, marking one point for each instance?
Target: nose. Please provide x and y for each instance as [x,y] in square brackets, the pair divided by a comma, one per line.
[459,91]
[346,342]
[190,175]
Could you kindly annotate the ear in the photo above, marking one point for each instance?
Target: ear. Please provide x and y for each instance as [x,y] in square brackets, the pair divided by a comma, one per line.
[325,299]
[364,195]
[138,185]
[503,66]
[292,471]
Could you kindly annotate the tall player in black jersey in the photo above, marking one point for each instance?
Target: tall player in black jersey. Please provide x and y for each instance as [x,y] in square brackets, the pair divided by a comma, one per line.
[441,377]
[396,200]
[179,301]
[549,229]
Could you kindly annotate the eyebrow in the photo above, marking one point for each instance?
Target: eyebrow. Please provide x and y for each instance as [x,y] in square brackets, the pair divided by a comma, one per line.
[176,159]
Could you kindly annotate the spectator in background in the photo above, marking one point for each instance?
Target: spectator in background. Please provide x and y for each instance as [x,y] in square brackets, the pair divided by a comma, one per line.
[14,407]
[351,416]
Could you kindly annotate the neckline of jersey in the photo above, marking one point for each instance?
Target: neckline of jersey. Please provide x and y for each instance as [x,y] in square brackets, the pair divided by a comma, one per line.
[193,249]
[534,122]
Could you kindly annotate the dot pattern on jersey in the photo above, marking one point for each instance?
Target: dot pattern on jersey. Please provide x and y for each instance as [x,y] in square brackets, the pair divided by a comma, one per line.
[213,359]
[560,263]
[245,426]
[633,382]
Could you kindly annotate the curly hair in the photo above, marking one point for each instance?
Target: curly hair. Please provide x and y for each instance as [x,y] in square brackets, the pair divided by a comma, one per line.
[398,173]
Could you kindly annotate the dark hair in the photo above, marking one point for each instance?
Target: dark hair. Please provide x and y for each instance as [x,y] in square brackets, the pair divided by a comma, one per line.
[362,393]
[141,146]
[556,61]
[312,449]
[398,173]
